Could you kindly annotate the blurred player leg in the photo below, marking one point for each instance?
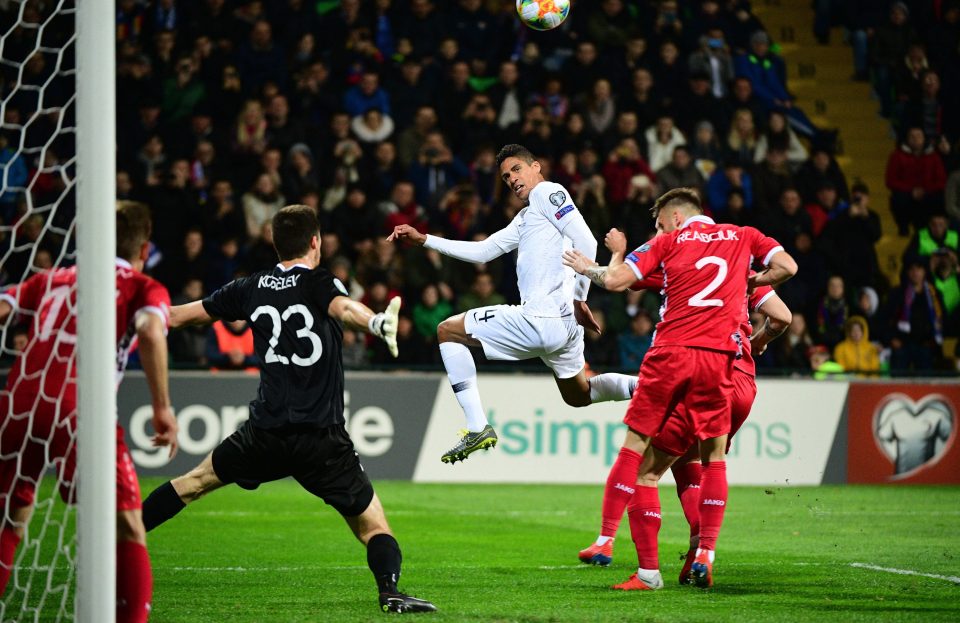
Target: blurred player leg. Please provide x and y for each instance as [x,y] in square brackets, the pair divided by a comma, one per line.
[384,559]
[134,576]
[687,473]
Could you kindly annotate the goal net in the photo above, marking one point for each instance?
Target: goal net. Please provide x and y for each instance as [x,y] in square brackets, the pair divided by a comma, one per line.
[38,215]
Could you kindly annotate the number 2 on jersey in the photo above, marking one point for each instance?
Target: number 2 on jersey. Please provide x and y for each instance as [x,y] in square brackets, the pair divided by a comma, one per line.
[699,299]
[276,321]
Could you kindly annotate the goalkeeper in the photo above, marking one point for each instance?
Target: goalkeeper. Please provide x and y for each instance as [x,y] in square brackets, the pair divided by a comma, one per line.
[296,426]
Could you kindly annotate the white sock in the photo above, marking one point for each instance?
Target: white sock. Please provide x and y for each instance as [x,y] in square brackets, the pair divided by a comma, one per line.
[462,372]
[651,577]
[710,553]
[602,540]
[611,386]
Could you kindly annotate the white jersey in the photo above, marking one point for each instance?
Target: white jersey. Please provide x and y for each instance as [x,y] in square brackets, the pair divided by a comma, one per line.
[546,285]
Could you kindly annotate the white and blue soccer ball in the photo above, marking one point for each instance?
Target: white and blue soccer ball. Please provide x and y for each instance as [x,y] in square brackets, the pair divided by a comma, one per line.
[543,14]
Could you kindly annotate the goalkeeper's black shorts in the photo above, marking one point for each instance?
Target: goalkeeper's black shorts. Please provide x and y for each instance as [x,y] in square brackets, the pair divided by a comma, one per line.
[322,460]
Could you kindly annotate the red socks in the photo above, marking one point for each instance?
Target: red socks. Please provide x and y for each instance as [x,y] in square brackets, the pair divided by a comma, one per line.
[688,478]
[713,501]
[644,514]
[134,583]
[621,484]
[9,540]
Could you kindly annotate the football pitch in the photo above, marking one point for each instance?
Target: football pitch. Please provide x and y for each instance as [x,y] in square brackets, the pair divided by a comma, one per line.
[509,553]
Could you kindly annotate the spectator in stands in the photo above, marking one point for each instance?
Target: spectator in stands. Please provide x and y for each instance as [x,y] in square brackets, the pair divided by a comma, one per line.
[926,110]
[733,176]
[742,138]
[481,294]
[634,345]
[251,130]
[849,240]
[182,92]
[644,98]
[507,95]
[867,306]
[832,312]
[230,346]
[300,175]
[914,322]
[936,235]
[583,69]
[478,125]
[887,49]
[436,171]
[791,350]
[599,109]
[622,165]
[612,24]
[908,80]
[856,353]
[862,19]
[771,178]
[662,138]
[173,206]
[742,95]
[15,176]
[185,263]
[698,104]
[372,127]
[221,218]
[260,59]
[778,135]
[825,207]
[261,203]
[943,271]
[429,312]
[356,222]
[670,72]
[403,209]
[713,59]
[802,293]
[705,148]
[821,167]
[681,172]
[410,140]
[283,131]
[916,179]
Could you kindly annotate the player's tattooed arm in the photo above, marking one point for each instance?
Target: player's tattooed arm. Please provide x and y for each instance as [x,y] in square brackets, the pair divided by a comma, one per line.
[778,318]
[615,278]
[616,243]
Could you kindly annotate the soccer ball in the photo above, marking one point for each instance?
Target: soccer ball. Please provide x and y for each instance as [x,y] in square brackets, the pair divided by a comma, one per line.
[543,14]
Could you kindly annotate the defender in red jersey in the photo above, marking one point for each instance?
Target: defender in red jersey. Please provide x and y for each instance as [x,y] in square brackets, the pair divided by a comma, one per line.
[705,269]
[38,407]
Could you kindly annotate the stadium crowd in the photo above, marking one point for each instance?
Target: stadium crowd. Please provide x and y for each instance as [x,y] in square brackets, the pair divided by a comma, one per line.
[391,111]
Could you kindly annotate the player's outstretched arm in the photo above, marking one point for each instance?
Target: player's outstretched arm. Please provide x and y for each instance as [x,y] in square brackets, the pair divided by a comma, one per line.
[188,314]
[778,318]
[474,251]
[615,278]
[358,317]
[153,357]
[781,267]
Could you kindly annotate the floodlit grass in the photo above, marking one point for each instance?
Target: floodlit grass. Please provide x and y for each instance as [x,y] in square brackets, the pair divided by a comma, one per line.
[508,553]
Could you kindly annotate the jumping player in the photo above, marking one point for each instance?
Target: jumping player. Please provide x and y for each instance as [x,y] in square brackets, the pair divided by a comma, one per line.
[39,407]
[669,444]
[705,278]
[549,321]
[296,426]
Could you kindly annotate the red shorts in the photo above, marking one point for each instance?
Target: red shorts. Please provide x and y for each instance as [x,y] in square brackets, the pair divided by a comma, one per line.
[697,379]
[38,434]
[675,440]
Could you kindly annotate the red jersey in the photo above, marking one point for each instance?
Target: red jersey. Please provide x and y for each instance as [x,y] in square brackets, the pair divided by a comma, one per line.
[744,363]
[705,267]
[50,298]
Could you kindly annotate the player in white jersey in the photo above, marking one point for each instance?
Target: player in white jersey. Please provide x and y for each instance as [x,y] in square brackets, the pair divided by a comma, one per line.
[549,321]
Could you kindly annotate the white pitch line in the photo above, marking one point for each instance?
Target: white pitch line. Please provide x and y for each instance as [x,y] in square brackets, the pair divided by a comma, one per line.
[935,576]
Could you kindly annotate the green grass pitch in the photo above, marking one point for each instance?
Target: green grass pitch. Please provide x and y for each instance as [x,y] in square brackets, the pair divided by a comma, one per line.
[508,553]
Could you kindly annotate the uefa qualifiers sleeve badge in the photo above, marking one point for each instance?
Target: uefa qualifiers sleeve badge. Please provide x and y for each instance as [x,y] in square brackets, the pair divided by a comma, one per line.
[558,198]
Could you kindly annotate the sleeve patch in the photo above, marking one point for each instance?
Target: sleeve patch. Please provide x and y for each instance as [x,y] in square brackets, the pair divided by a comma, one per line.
[339,285]
[633,257]
[562,211]
[643,248]
[558,198]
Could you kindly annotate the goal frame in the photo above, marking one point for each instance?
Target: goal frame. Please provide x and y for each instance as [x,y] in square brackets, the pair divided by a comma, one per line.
[96,312]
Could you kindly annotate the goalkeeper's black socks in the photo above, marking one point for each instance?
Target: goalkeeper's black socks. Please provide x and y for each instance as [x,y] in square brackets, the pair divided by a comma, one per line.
[162,504]
[383,557]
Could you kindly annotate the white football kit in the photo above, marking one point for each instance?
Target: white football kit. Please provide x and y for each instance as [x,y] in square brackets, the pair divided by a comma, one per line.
[543,324]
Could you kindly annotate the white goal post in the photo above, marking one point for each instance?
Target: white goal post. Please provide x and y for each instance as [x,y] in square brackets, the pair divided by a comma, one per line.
[96,316]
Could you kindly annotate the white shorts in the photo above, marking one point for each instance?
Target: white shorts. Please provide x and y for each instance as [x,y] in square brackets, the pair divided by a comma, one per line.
[507,334]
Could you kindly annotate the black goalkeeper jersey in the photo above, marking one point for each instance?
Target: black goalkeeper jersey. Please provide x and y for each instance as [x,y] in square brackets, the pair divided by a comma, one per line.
[298,343]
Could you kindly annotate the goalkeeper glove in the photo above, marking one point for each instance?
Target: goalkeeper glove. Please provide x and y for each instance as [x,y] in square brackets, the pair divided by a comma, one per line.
[384,325]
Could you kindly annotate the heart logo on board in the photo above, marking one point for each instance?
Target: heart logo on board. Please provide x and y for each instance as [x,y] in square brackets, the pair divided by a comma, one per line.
[558,198]
[914,434]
